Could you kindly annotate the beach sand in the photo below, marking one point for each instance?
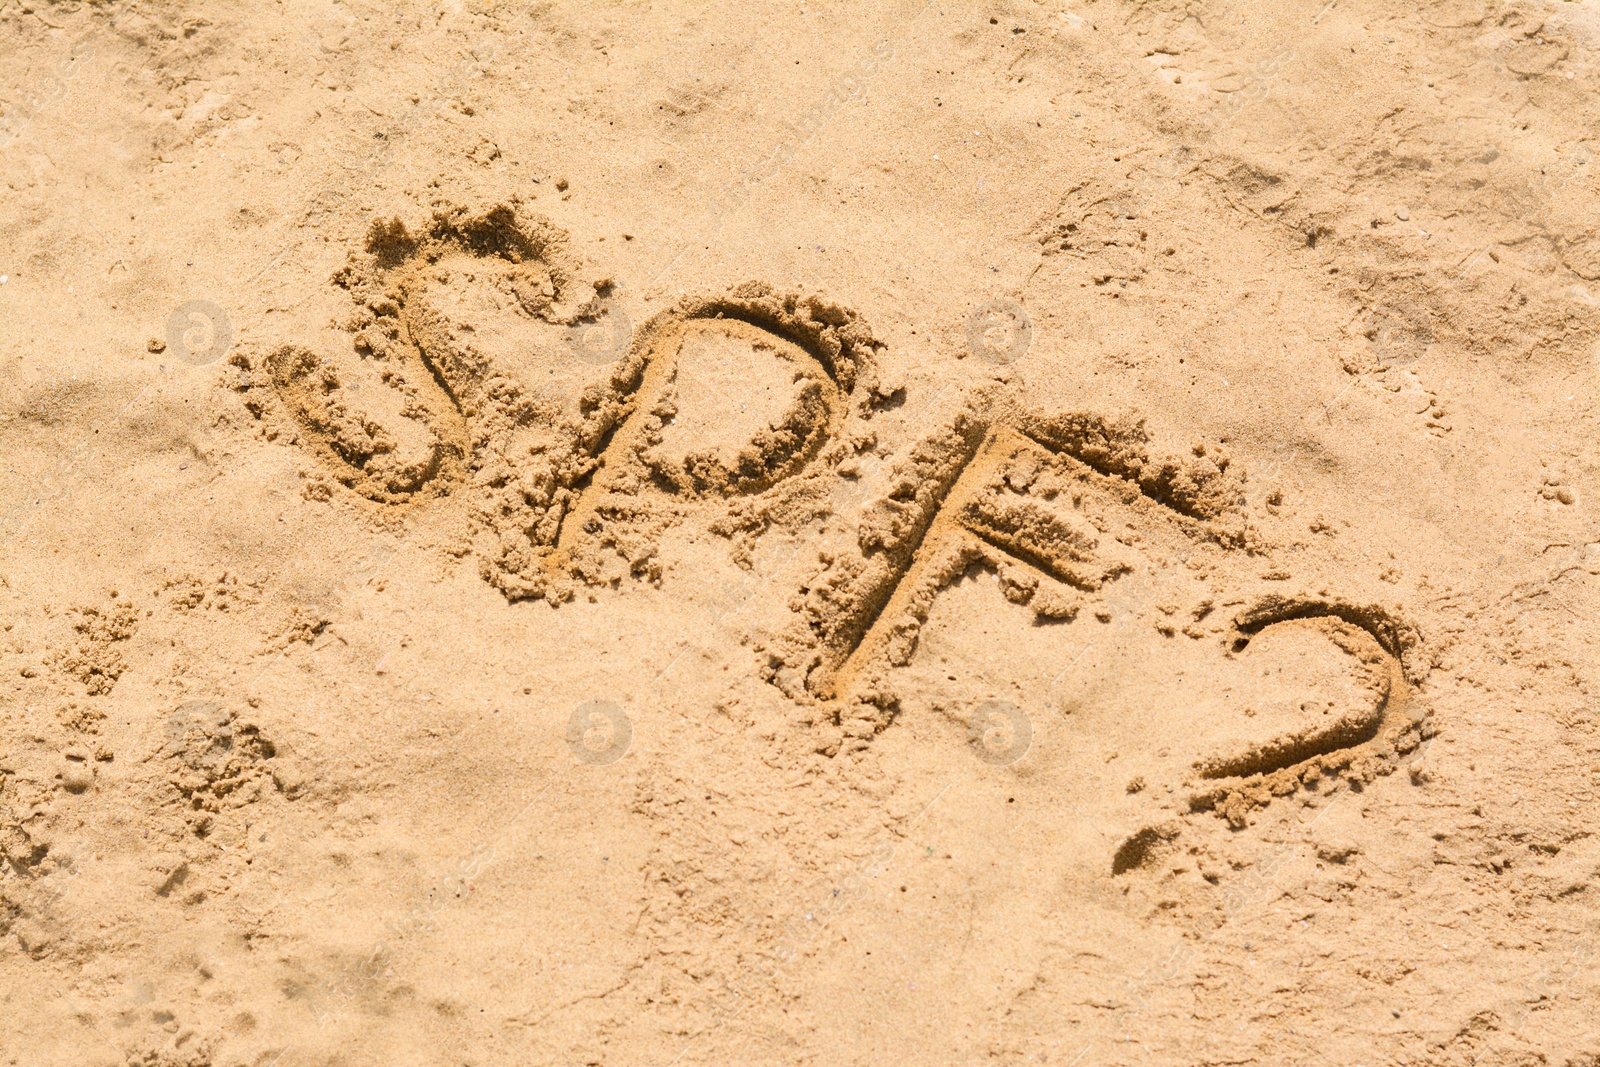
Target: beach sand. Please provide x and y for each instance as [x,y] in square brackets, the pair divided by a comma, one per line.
[931,533]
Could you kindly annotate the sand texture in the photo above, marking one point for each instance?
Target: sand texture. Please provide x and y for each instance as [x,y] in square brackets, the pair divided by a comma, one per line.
[650,533]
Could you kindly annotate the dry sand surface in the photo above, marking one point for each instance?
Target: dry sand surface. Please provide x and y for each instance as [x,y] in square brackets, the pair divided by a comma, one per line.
[1026,532]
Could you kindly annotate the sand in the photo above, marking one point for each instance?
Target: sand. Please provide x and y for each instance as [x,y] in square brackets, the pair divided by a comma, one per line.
[938,533]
